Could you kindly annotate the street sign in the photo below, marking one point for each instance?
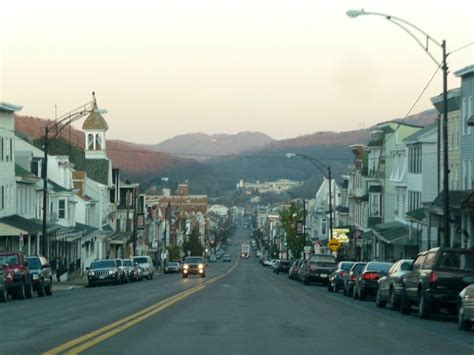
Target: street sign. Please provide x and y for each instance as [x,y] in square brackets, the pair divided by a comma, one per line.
[300,228]
[334,244]
[140,221]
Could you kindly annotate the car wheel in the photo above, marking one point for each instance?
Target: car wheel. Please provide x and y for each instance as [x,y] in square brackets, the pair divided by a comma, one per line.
[49,288]
[330,287]
[405,306]
[361,294]
[393,304]
[424,311]
[29,290]
[4,294]
[355,293]
[305,281]
[203,275]
[378,301]
[344,291]
[185,276]
[151,277]
[463,324]
[40,291]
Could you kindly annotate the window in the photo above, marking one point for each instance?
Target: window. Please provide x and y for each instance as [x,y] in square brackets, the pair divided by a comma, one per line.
[98,142]
[375,205]
[1,149]
[90,141]
[464,116]
[7,150]
[429,261]
[2,201]
[323,227]
[418,262]
[62,209]
[414,200]
[415,159]
[35,168]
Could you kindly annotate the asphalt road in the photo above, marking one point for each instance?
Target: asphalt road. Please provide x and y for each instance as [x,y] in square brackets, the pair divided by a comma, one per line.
[248,311]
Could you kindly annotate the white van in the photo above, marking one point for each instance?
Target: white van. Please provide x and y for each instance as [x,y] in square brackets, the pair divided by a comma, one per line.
[145,262]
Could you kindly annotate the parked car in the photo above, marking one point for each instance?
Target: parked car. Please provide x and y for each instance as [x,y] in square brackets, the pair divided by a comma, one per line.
[336,279]
[212,258]
[122,271]
[350,278]
[435,279]
[226,258]
[390,286]
[41,275]
[273,262]
[172,267]
[146,264]
[17,276]
[104,271]
[366,282]
[3,286]
[466,308]
[301,270]
[267,262]
[194,265]
[131,269]
[318,268]
[293,272]
[282,266]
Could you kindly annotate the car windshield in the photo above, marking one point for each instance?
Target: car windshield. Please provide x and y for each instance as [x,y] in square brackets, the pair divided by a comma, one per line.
[9,259]
[358,268]
[284,263]
[140,260]
[378,267]
[100,264]
[346,266]
[127,262]
[406,265]
[118,262]
[327,259]
[193,260]
[457,260]
[34,263]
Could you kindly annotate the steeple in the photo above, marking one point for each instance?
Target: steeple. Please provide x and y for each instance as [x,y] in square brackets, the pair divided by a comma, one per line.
[95,127]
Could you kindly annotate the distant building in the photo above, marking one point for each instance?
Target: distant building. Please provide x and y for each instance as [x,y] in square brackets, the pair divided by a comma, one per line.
[278,186]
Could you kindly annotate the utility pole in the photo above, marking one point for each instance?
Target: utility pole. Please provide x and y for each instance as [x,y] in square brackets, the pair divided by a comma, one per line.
[44,175]
[330,203]
[445,241]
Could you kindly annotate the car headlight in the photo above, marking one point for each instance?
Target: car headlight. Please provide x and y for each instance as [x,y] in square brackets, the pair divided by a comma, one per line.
[111,272]
[91,273]
[200,266]
[185,266]
[35,276]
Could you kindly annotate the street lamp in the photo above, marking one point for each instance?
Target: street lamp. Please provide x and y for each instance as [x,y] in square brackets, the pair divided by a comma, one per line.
[326,171]
[410,29]
[50,133]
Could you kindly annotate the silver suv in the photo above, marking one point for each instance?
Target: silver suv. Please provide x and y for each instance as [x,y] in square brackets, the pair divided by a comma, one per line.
[145,262]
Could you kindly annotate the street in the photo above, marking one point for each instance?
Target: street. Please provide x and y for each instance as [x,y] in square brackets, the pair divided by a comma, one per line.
[250,310]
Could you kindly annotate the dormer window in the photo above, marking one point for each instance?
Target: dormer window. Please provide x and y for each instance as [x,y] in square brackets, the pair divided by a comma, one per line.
[98,142]
[90,141]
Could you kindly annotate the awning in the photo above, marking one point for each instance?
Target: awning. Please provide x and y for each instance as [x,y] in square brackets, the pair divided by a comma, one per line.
[119,238]
[16,225]
[392,233]
[417,215]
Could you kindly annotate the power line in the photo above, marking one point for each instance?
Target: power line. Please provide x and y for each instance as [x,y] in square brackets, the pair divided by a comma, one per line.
[460,48]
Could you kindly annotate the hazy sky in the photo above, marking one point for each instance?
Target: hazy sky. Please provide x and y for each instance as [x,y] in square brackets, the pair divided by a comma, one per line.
[286,68]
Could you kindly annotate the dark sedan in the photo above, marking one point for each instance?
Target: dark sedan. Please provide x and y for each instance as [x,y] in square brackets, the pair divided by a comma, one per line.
[293,272]
[103,272]
[366,283]
[336,279]
[282,266]
[41,275]
[390,286]
[350,278]
[3,286]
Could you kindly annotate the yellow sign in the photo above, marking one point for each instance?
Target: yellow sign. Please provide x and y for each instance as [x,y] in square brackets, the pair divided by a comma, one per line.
[334,244]
[340,234]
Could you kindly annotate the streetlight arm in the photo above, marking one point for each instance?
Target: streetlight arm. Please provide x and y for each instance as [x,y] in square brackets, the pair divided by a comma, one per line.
[400,23]
[317,163]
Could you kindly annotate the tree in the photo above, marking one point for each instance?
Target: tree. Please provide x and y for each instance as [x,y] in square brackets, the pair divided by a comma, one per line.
[174,252]
[193,245]
[274,251]
[289,217]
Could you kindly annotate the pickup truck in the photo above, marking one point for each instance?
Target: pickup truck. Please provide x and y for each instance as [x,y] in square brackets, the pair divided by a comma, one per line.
[318,268]
[435,279]
[17,276]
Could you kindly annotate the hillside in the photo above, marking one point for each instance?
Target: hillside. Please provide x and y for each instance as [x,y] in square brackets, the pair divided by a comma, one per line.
[202,146]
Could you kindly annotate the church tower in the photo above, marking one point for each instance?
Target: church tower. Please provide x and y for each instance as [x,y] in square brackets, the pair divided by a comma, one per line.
[94,128]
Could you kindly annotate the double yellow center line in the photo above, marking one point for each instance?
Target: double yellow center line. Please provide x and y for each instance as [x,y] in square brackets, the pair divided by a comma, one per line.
[91,339]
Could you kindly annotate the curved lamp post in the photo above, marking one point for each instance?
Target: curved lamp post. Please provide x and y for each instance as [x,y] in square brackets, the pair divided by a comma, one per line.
[412,30]
[326,171]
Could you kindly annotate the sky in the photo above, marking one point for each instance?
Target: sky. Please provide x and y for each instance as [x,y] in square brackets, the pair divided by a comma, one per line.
[282,67]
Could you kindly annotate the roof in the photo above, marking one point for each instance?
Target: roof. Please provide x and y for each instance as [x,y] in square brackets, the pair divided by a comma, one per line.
[457,199]
[57,187]
[415,137]
[6,107]
[84,228]
[95,121]
[391,232]
[465,71]
[454,101]
[23,173]
[375,142]
[27,226]
[417,215]
[98,170]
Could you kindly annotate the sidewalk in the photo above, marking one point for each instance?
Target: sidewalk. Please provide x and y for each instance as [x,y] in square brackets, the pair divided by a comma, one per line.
[70,284]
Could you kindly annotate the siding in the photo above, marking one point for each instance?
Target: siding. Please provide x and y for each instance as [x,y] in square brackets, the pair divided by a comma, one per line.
[467,141]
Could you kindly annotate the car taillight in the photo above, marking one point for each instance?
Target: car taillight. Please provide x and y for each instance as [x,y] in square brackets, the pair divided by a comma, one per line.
[433,277]
[342,273]
[309,268]
[353,277]
[370,276]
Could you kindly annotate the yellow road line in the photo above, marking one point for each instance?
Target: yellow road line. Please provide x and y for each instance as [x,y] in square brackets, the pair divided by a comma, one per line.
[121,328]
[86,341]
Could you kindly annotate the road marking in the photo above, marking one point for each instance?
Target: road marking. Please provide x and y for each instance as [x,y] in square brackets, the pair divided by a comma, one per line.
[97,336]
